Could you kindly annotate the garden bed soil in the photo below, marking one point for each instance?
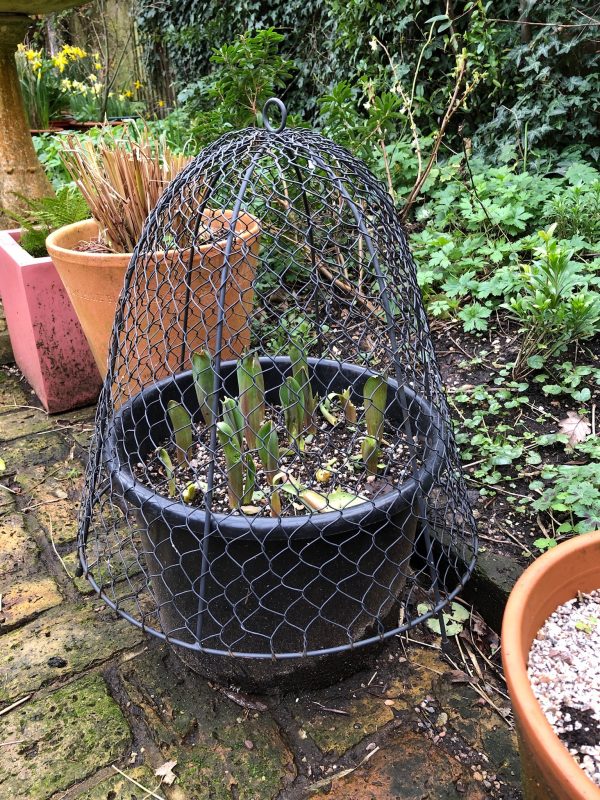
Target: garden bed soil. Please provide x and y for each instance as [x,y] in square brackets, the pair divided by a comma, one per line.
[508,527]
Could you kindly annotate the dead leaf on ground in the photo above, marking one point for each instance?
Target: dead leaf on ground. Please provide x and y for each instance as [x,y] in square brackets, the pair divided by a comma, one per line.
[165,772]
[577,428]
[458,676]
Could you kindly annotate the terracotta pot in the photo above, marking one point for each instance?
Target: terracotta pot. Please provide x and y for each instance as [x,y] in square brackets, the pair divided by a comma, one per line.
[48,343]
[549,771]
[94,282]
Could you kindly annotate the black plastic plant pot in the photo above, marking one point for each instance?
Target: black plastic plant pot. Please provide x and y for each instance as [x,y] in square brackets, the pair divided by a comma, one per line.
[263,602]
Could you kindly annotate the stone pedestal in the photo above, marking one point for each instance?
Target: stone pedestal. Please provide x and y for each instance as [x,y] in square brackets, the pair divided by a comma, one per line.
[20,170]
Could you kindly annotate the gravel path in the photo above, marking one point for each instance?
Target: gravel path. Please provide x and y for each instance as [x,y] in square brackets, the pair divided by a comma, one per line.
[564,670]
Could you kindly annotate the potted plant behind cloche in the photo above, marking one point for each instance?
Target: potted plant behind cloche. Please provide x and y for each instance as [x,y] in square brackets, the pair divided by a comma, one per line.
[549,770]
[122,176]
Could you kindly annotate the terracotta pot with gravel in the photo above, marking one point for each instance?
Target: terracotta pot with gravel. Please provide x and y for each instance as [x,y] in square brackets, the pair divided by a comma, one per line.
[549,770]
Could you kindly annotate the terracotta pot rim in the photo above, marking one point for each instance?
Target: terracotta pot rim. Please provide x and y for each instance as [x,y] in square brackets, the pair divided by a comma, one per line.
[54,246]
[53,242]
[515,653]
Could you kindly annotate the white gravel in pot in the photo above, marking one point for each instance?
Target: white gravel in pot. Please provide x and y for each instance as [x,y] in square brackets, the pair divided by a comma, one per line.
[564,670]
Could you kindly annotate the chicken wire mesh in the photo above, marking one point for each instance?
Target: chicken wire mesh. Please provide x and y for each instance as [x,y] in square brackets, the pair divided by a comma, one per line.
[273,479]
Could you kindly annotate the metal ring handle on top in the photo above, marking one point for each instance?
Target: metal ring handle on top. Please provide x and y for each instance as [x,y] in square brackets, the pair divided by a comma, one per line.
[274,101]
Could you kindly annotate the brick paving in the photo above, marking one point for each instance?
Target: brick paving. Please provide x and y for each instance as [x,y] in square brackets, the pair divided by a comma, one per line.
[98,695]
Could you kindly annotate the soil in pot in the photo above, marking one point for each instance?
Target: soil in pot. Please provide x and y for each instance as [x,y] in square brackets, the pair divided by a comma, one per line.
[564,670]
[331,461]
[270,587]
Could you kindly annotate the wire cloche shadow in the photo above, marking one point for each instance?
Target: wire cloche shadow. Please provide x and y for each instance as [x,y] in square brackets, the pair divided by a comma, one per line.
[273,483]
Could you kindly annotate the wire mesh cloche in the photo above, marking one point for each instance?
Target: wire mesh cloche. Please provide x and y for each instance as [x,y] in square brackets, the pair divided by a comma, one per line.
[273,480]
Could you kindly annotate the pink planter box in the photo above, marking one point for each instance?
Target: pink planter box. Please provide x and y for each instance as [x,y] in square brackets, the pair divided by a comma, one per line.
[48,343]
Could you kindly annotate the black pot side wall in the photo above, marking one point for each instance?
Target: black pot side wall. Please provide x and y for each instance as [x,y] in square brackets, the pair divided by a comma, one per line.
[291,589]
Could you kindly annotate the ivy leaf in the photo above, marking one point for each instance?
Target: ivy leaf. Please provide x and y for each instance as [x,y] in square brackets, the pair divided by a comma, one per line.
[552,388]
[577,428]
[454,616]
[545,543]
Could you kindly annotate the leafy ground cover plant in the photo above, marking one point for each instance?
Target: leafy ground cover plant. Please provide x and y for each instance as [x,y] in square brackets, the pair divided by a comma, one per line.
[554,304]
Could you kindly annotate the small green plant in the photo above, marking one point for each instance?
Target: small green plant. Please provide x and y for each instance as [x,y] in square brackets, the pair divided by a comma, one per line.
[182,428]
[375,399]
[234,461]
[251,387]
[268,452]
[571,492]
[292,404]
[203,376]
[299,361]
[576,211]
[234,419]
[348,406]
[168,465]
[39,217]
[247,435]
[555,306]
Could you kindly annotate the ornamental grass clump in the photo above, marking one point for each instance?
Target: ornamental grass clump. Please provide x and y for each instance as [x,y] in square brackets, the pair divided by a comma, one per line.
[291,452]
[121,175]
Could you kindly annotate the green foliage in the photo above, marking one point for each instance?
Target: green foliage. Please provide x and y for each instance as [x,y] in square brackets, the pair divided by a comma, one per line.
[182,429]
[550,77]
[576,211]
[49,146]
[342,117]
[247,72]
[538,79]
[572,491]
[554,304]
[42,216]
[204,383]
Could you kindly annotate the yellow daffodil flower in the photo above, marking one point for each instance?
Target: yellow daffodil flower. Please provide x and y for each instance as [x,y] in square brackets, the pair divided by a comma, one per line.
[60,61]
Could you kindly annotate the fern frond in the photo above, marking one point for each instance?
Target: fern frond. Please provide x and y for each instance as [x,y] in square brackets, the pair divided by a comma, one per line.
[40,216]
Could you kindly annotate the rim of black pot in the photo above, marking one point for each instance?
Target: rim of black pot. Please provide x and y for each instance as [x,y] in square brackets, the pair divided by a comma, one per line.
[306,526]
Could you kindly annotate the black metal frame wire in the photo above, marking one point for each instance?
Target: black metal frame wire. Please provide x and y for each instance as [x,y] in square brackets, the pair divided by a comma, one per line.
[270,240]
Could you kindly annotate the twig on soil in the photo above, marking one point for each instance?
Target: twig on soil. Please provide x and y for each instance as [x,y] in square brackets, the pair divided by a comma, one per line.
[139,785]
[240,699]
[372,678]
[15,741]
[331,710]
[56,553]
[494,540]
[16,704]
[423,644]
[43,503]
[342,774]
[484,696]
